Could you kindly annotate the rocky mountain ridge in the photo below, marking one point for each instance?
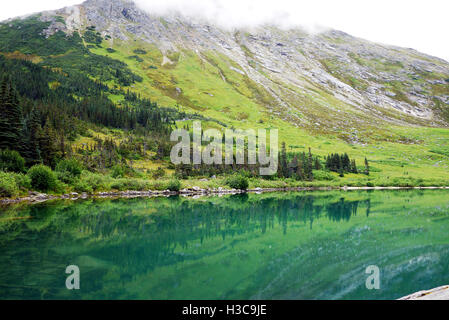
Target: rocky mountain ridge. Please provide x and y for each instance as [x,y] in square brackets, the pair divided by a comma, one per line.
[330,80]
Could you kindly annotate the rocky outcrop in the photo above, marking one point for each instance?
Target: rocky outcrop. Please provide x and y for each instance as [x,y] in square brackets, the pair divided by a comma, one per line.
[440,293]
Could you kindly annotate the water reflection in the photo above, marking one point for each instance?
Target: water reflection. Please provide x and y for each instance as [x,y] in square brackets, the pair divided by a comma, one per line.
[124,241]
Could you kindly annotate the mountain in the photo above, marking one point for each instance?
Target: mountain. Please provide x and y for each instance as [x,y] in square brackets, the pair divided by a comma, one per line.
[328,90]
[331,81]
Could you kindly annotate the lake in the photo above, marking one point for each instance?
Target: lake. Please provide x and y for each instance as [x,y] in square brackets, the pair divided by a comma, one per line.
[292,245]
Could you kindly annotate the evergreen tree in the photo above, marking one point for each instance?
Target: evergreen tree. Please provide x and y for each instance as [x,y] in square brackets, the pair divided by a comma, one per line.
[309,171]
[292,167]
[300,169]
[353,167]
[328,163]
[317,164]
[31,136]
[340,167]
[10,117]
[346,163]
[283,170]
[366,167]
[47,146]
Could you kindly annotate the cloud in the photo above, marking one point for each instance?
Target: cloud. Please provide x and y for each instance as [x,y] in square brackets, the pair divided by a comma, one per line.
[232,14]
[418,24]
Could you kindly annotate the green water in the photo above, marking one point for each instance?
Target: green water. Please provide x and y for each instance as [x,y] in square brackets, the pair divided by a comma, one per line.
[313,245]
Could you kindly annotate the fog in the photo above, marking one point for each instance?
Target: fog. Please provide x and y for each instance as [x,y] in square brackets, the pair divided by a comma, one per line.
[418,24]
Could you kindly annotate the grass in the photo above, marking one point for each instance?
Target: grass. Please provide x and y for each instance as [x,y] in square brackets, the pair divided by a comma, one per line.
[210,84]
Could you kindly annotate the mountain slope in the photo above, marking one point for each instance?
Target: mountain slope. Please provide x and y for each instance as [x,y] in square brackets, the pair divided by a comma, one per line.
[331,80]
[330,91]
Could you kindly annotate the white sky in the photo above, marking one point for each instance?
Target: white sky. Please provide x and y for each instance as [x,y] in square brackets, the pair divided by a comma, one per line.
[419,24]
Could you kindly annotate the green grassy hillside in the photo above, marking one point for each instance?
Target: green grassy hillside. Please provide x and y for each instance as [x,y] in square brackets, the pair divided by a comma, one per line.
[85,72]
[210,87]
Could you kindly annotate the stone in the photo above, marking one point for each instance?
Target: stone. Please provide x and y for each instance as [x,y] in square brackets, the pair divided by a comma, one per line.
[440,293]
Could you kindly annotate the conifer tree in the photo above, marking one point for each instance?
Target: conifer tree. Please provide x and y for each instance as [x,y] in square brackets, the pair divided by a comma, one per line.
[346,163]
[47,138]
[317,164]
[300,169]
[292,167]
[10,117]
[353,166]
[366,167]
[310,165]
[340,167]
[31,136]
[283,170]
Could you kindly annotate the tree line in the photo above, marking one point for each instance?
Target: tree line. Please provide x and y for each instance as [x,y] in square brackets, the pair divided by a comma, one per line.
[299,166]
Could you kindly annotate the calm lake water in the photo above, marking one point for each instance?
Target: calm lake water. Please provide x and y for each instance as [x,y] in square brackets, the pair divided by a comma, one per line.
[314,245]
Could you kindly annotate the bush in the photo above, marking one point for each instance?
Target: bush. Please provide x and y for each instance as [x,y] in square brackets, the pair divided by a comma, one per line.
[238,182]
[130,184]
[140,51]
[321,175]
[82,186]
[370,184]
[70,165]
[118,172]
[159,173]
[96,181]
[8,185]
[68,170]
[174,185]
[136,184]
[11,161]
[23,181]
[119,185]
[42,178]
[245,173]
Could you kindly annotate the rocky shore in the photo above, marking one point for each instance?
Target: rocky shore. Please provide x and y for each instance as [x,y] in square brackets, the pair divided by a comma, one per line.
[36,197]
[440,293]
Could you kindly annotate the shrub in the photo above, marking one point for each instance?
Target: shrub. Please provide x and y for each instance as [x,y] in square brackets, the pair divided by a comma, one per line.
[136,184]
[42,178]
[321,175]
[245,173]
[82,186]
[140,51]
[118,172]
[119,185]
[237,182]
[130,184]
[159,173]
[157,185]
[174,185]
[70,165]
[95,180]
[8,185]
[23,181]
[11,161]
[68,170]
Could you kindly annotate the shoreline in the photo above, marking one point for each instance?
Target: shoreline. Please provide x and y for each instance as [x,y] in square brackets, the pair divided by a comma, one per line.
[37,197]
[439,293]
